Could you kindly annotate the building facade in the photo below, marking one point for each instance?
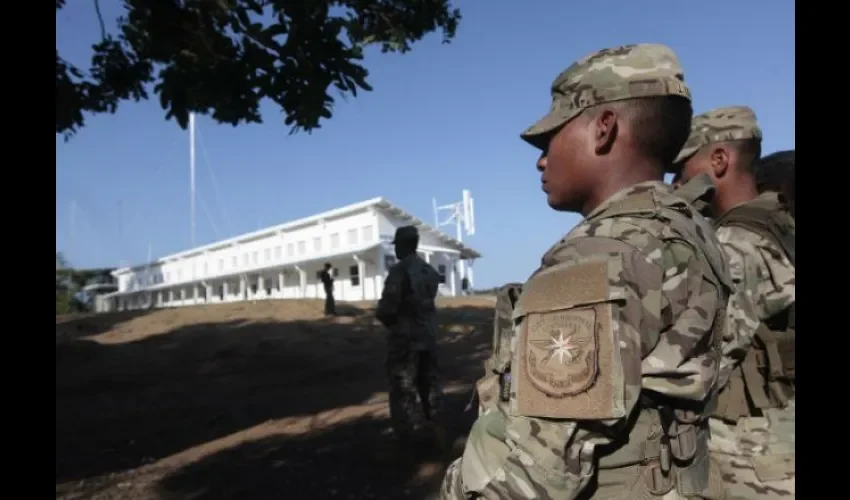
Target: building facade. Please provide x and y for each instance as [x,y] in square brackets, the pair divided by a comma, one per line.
[283,262]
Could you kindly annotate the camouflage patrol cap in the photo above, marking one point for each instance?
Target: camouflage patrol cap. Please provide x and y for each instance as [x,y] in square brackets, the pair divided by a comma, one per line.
[405,233]
[625,72]
[731,123]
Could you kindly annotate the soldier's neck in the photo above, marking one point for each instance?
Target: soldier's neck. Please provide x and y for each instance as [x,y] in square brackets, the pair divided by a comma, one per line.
[635,172]
[735,194]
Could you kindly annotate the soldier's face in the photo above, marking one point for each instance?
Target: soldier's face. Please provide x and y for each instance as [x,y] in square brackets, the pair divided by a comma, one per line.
[564,169]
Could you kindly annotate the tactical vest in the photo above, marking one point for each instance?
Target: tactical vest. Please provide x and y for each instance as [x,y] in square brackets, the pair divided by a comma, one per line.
[492,389]
[765,379]
[669,435]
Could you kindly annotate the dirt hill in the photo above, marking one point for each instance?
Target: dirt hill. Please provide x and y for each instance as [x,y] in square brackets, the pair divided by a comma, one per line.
[259,400]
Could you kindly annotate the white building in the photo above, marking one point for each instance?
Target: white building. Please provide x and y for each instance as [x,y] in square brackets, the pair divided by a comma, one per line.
[284,262]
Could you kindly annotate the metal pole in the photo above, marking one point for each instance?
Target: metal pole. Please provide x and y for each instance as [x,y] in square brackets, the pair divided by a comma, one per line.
[192,175]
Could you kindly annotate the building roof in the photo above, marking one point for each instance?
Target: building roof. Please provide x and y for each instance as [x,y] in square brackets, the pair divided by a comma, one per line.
[378,203]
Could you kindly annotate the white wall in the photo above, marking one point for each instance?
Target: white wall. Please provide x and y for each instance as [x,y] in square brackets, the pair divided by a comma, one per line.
[241,263]
[388,225]
[272,249]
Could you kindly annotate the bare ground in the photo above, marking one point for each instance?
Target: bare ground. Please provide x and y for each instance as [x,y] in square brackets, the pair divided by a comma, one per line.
[265,400]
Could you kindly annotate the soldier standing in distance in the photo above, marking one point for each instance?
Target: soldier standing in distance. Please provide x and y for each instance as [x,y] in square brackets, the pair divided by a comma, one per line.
[776,172]
[752,428]
[407,308]
[328,282]
[617,334]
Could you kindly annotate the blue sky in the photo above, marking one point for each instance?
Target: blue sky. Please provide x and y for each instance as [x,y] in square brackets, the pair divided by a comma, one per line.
[440,119]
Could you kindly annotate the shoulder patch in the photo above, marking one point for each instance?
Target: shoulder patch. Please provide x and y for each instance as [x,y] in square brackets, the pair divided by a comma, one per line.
[568,361]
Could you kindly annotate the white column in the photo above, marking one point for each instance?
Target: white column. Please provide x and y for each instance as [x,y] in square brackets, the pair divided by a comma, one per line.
[281,282]
[208,293]
[302,281]
[243,288]
[195,294]
[261,285]
[452,273]
[225,292]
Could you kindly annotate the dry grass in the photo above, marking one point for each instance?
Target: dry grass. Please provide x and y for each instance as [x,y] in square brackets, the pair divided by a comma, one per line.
[245,400]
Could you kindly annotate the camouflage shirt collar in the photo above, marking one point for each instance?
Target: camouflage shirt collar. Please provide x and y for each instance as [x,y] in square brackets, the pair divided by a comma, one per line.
[657,186]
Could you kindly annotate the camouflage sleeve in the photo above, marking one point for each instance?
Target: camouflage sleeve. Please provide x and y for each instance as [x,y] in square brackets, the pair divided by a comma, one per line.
[589,330]
[388,306]
[762,269]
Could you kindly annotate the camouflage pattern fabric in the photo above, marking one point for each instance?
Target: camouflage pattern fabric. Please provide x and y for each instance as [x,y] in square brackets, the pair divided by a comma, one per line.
[408,310]
[634,276]
[756,455]
[732,123]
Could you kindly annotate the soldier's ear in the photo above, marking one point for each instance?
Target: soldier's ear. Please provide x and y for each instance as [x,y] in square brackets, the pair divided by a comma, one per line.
[719,158]
[605,128]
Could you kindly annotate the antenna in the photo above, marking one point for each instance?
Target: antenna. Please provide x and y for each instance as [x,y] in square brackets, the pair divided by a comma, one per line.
[72,213]
[192,176]
[468,213]
[462,214]
[436,212]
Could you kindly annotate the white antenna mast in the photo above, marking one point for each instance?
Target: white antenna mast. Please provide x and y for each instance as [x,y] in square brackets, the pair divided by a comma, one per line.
[462,215]
[192,176]
[72,212]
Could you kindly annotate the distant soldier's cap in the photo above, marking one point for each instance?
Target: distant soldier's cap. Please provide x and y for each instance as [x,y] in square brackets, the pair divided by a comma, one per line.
[731,123]
[615,74]
[405,233]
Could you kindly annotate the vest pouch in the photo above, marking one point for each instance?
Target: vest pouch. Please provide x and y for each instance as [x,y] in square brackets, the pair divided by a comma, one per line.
[692,475]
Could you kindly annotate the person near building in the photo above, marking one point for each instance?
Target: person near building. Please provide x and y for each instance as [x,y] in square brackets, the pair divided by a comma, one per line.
[327,280]
[408,310]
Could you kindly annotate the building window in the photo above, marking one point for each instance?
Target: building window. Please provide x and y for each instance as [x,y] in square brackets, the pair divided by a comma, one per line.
[254,257]
[317,244]
[220,265]
[277,253]
[302,247]
[245,260]
[267,255]
[179,272]
[234,262]
[334,241]
[442,270]
[290,249]
[352,236]
[168,277]
[367,234]
[354,272]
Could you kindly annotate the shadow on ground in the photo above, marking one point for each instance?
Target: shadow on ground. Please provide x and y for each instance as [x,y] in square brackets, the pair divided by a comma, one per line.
[122,404]
[356,460]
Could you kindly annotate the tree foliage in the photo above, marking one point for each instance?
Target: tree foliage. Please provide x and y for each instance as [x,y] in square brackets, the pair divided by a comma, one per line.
[222,57]
[70,283]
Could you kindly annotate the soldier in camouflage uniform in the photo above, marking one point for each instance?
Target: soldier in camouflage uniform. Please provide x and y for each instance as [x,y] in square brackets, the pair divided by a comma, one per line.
[615,344]
[776,172]
[408,310]
[753,426]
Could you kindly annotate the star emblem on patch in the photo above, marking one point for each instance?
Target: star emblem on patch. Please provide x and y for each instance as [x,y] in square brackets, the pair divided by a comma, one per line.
[563,347]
